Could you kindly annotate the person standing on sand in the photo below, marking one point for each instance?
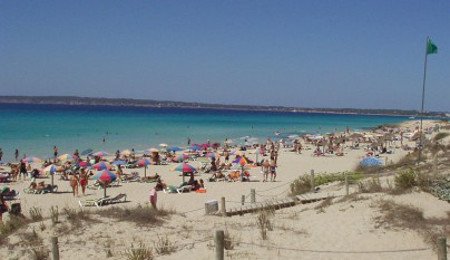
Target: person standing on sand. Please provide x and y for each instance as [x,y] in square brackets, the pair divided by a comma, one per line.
[74,184]
[3,208]
[273,171]
[16,154]
[83,181]
[55,151]
[265,169]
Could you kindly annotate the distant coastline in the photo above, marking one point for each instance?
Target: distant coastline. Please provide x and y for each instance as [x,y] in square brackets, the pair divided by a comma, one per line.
[121,102]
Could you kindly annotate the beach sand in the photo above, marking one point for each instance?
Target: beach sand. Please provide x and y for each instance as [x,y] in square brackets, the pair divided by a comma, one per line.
[343,230]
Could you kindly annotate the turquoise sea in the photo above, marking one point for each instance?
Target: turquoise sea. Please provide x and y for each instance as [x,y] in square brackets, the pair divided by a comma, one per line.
[35,129]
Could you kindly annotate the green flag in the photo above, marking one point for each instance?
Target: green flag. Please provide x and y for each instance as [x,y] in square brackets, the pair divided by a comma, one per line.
[431,47]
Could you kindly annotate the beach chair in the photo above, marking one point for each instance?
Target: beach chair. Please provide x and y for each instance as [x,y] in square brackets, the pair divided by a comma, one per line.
[117,199]
[92,202]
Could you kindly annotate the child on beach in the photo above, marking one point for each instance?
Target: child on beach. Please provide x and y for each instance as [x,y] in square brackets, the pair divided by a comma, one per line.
[74,184]
[273,170]
[153,197]
[265,169]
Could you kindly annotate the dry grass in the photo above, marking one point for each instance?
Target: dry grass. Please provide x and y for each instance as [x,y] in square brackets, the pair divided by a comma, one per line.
[263,223]
[139,252]
[141,215]
[12,225]
[324,204]
[35,214]
[398,216]
[163,246]
[371,186]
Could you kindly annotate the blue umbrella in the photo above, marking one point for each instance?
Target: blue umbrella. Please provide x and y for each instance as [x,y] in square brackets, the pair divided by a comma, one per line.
[174,149]
[194,147]
[371,162]
[119,162]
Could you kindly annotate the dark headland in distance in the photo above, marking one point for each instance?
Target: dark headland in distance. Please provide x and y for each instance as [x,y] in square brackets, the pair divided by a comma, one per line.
[128,102]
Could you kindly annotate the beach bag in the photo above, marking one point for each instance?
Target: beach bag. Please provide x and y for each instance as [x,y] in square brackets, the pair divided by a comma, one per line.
[201,190]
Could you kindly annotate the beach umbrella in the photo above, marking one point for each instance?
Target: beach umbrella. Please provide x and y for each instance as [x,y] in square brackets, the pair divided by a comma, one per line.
[65,157]
[174,149]
[126,152]
[229,141]
[119,162]
[31,159]
[101,166]
[241,160]
[104,178]
[153,150]
[181,157]
[371,162]
[211,155]
[87,151]
[194,147]
[84,164]
[143,163]
[50,169]
[100,153]
[184,168]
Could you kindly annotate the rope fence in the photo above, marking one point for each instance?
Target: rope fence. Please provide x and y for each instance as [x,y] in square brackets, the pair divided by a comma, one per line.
[219,242]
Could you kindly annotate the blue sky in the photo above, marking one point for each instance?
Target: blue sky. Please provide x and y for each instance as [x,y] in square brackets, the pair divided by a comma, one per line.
[361,54]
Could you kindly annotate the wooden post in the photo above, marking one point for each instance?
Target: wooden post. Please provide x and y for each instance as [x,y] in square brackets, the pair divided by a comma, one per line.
[346,184]
[253,196]
[313,188]
[220,245]
[222,207]
[55,248]
[243,200]
[442,248]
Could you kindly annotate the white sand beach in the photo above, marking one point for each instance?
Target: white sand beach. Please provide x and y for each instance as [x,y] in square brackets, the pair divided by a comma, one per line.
[342,229]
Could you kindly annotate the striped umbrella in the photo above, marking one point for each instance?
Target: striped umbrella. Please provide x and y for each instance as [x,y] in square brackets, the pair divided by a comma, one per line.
[105,177]
[119,162]
[101,166]
[181,157]
[241,160]
[31,159]
[100,153]
[84,164]
[144,162]
[184,168]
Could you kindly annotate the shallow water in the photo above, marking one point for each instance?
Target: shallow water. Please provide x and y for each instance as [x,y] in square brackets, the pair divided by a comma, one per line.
[35,129]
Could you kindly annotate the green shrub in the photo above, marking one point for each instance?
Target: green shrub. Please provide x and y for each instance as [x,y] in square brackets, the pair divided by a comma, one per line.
[405,180]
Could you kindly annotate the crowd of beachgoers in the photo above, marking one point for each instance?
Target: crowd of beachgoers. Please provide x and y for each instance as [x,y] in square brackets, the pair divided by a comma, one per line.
[220,161]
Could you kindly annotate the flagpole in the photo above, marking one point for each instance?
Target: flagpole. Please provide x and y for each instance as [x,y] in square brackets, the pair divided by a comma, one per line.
[423,98]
